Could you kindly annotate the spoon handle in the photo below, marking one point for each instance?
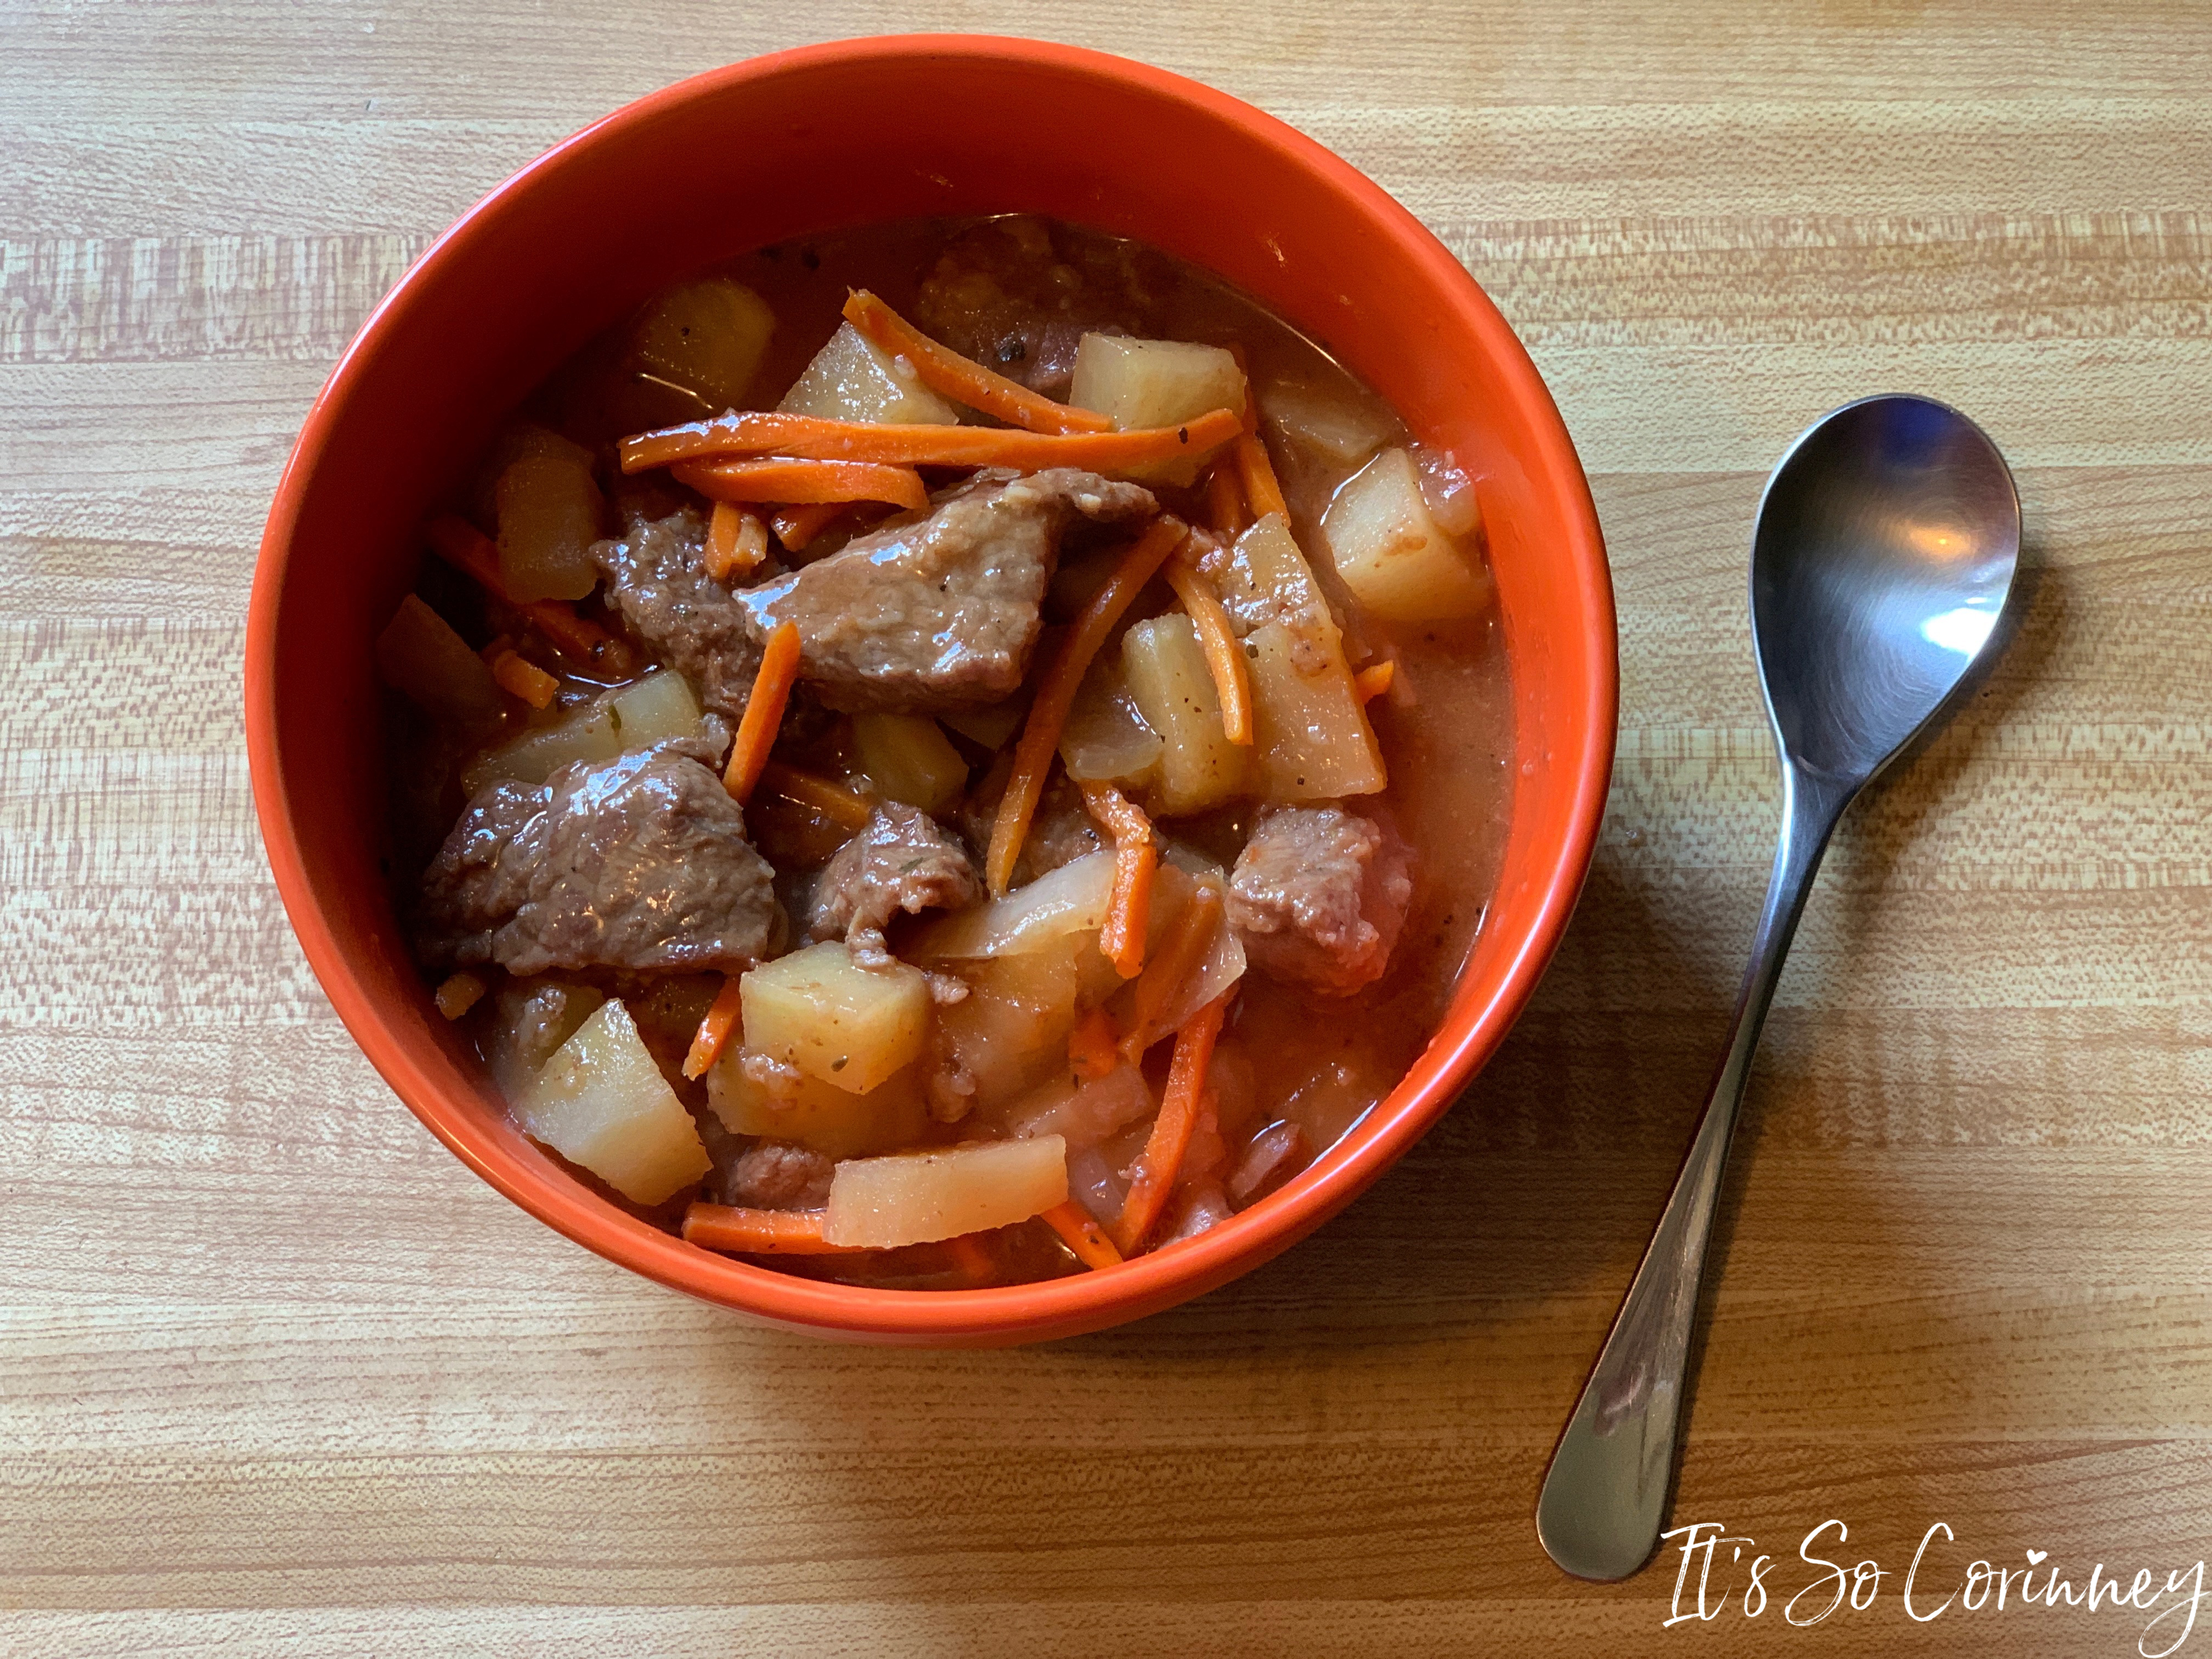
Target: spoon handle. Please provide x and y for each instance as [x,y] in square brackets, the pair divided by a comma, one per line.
[1606,1492]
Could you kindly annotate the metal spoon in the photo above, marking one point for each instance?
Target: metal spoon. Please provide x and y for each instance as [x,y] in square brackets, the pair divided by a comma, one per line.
[1886,547]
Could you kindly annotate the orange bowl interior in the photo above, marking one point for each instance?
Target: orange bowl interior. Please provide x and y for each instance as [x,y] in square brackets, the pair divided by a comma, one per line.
[812,140]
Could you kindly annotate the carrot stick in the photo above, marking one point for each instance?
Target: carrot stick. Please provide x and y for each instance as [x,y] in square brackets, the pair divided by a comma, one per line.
[468,550]
[737,541]
[1257,474]
[817,482]
[457,994]
[1162,1158]
[1225,656]
[759,1232]
[713,1030]
[1090,1048]
[795,526]
[1055,694]
[1181,954]
[1136,856]
[825,800]
[763,715]
[1372,681]
[1225,498]
[1081,1234]
[524,678]
[808,437]
[970,1259]
[961,379]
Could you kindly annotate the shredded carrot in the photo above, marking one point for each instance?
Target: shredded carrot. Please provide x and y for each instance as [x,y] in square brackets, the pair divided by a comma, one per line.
[1257,474]
[763,715]
[1372,681]
[457,994]
[777,479]
[1136,856]
[713,1030]
[468,550]
[809,437]
[1055,694]
[961,379]
[1225,656]
[1225,498]
[1182,954]
[970,1259]
[759,1232]
[1082,1234]
[821,797]
[517,673]
[795,526]
[1091,1047]
[737,541]
[1162,1158]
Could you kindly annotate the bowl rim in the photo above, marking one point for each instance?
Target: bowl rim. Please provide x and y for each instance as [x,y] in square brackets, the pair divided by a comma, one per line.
[1010,1313]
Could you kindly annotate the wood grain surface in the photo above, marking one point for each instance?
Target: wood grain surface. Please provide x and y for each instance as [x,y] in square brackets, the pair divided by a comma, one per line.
[277,1376]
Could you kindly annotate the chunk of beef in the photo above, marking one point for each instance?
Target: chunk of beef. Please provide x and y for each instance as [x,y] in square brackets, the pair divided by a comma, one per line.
[640,863]
[657,580]
[939,612]
[776,1175]
[1006,293]
[1318,896]
[900,861]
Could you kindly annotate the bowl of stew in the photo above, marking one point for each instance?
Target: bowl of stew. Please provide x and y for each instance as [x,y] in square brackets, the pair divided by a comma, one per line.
[938,689]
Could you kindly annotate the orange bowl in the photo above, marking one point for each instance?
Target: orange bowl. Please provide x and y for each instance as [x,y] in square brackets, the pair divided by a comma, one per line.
[808,140]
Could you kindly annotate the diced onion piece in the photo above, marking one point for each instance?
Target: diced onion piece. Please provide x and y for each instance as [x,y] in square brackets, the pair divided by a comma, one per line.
[1069,901]
[853,378]
[1174,690]
[1180,993]
[914,1198]
[547,508]
[1106,740]
[818,1010]
[1311,740]
[603,1103]
[419,655]
[1336,425]
[1011,1030]
[815,1114]
[1083,1111]
[707,336]
[1155,383]
[1394,556]
[908,759]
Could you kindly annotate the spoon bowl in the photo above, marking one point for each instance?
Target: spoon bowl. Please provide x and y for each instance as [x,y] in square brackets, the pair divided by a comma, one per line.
[1886,545]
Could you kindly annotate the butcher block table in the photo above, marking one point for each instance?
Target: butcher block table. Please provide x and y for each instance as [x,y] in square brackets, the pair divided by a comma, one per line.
[278,1376]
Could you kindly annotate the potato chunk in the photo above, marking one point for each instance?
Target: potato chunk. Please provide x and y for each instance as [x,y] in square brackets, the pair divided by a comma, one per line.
[819,1114]
[549,508]
[1150,383]
[909,759]
[912,1198]
[1398,562]
[1010,1032]
[707,337]
[818,1010]
[1311,740]
[654,709]
[1062,904]
[853,378]
[1106,740]
[419,655]
[1174,690]
[603,1103]
[1327,421]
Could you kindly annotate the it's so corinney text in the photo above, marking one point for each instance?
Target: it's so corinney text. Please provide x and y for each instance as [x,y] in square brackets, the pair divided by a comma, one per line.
[1720,1569]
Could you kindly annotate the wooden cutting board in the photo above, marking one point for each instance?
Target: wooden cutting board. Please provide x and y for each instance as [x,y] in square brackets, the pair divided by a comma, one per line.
[278,1376]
